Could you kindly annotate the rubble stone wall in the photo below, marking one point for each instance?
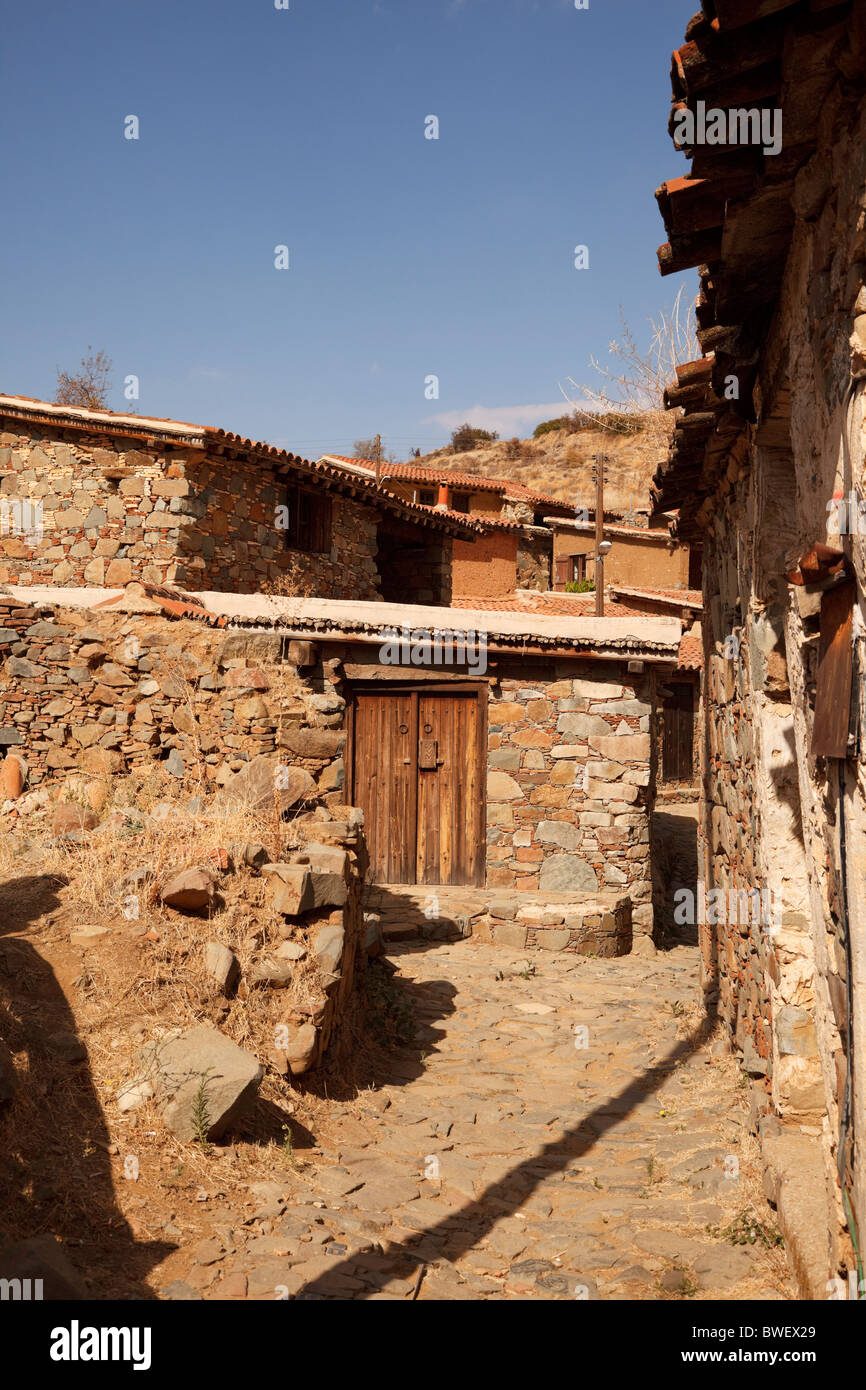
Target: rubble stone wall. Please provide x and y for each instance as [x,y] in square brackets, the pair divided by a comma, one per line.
[166,516]
[105,693]
[774,811]
[570,782]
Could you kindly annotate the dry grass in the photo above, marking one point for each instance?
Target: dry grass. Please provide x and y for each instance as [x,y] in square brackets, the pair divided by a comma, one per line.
[67,1144]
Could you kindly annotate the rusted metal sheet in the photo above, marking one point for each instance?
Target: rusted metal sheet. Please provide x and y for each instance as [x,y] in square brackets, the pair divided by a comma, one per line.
[833,693]
[817,566]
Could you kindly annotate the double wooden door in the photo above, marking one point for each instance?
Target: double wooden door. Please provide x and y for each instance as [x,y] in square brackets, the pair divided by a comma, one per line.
[418,774]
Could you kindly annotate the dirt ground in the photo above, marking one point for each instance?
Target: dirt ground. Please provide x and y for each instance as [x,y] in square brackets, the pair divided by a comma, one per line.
[511,1128]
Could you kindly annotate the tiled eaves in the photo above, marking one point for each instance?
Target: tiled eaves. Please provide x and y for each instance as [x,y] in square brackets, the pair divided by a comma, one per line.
[674,598]
[148,432]
[732,214]
[474,482]
[691,653]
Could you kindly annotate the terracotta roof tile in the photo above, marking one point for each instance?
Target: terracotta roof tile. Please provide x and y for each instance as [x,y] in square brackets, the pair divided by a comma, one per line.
[112,423]
[477,482]
[692,598]
[691,653]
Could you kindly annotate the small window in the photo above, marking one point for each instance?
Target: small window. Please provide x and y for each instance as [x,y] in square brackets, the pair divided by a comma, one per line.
[427,498]
[309,521]
[460,501]
[570,568]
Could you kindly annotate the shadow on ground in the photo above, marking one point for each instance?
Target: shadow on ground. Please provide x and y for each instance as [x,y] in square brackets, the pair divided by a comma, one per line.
[55,1169]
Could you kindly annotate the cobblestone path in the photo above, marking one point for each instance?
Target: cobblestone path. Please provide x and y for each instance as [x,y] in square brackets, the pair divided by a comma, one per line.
[563,1128]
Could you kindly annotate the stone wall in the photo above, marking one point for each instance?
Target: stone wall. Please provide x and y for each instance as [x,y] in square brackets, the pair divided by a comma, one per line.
[166,515]
[570,781]
[104,693]
[580,924]
[534,552]
[570,778]
[775,809]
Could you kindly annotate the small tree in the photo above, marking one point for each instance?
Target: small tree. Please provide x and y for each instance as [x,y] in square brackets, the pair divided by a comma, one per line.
[87,387]
[468,436]
[631,394]
[366,449]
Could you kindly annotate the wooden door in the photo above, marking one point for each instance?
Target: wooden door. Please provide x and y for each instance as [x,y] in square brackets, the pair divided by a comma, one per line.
[418,775]
[678,733]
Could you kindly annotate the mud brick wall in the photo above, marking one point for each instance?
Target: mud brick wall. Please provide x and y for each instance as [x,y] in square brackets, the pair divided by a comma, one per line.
[112,692]
[167,515]
[570,782]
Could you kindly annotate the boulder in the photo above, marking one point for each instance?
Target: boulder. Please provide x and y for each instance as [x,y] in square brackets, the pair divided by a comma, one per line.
[555,832]
[251,853]
[175,764]
[291,950]
[133,1095]
[203,1061]
[328,867]
[264,783]
[42,1258]
[501,787]
[68,1047]
[69,816]
[189,891]
[303,653]
[565,873]
[289,888]
[271,972]
[301,1048]
[312,743]
[328,947]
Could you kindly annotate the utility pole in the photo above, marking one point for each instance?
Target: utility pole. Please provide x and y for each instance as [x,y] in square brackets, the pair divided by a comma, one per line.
[599,534]
[377,453]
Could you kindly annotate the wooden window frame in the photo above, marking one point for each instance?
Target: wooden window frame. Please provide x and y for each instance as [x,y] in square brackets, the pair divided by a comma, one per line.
[310,518]
[457,498]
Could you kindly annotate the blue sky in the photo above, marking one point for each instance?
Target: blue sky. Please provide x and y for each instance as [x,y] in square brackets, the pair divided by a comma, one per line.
[305,127]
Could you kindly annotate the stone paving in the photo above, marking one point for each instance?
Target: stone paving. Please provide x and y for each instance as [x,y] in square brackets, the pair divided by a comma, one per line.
[564,1128]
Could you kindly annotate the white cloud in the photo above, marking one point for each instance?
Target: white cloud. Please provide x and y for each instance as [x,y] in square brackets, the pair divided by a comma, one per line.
[505,419]
[208,374]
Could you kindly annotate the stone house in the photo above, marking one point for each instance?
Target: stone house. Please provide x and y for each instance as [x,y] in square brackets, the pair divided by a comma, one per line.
[497,751]
[767,473]
[93,497]
[516,550]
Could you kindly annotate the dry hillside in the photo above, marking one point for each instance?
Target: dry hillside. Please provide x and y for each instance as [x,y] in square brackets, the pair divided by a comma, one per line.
[560,465]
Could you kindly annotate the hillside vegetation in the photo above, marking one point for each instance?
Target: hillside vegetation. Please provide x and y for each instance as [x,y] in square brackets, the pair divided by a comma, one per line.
[559,464]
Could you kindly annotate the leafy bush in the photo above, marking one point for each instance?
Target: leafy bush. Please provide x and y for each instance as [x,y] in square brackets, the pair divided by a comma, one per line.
[468,436]
[562,422]
[580,586]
